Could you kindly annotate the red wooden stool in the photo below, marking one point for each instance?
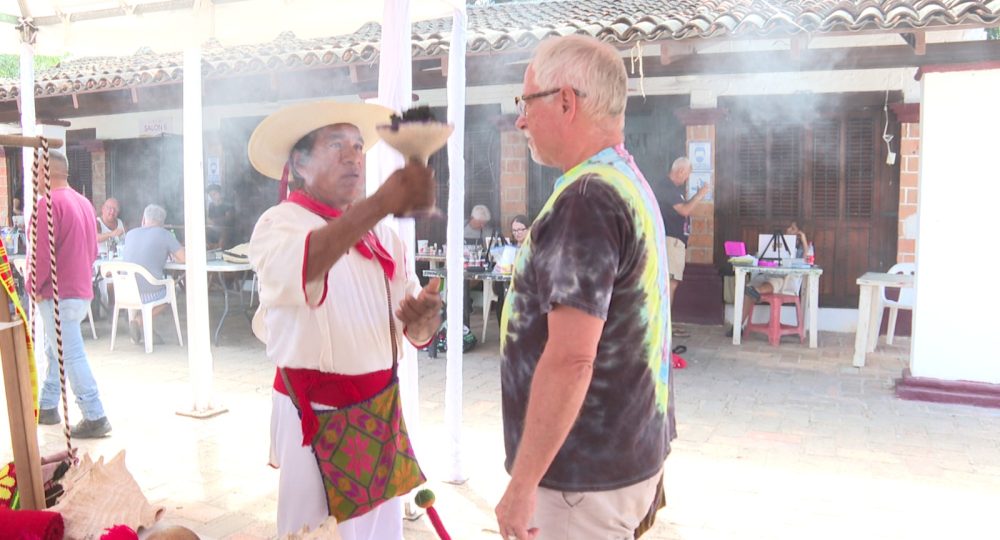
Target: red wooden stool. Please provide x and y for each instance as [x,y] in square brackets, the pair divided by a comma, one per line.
[773,327]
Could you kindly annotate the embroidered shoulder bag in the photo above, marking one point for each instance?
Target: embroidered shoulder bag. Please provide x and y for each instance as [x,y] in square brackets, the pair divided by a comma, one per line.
[363,450]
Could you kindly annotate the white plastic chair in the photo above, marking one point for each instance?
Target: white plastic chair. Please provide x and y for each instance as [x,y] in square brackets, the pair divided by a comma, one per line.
[905,300]
[19,265]
[127,296]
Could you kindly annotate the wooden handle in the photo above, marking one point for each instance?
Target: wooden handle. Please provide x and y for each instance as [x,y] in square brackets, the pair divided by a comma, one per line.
[27,142]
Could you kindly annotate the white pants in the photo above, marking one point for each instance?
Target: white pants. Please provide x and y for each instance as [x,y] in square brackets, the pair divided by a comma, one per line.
[301,497]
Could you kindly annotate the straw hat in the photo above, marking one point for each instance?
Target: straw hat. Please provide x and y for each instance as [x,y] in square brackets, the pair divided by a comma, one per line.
[274,138]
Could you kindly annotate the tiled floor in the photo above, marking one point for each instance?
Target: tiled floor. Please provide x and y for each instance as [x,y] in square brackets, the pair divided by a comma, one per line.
[775,443]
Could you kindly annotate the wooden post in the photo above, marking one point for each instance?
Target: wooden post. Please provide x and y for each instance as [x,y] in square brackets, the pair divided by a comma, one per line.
[20,408]
[27,142]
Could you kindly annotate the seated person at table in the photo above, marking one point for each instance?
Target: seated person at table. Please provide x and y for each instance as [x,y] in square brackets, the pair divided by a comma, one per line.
[519,227]
[110,231]
[220,218]
[150,246]
[110,228]
[774,283]
[478,229]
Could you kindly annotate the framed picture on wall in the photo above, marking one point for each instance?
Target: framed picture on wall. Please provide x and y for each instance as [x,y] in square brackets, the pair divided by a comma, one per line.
[700,154]
[697,180]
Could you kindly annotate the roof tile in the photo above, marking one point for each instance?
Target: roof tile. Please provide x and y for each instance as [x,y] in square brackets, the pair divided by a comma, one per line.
[520,26]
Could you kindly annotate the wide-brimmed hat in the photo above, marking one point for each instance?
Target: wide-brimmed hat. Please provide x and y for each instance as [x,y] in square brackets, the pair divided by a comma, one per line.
[274,138]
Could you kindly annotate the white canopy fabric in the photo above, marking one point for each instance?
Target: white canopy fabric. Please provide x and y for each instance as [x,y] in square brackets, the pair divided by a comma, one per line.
[121,27]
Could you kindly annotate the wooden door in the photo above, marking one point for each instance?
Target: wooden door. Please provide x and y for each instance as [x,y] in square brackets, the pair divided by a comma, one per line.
[823,168]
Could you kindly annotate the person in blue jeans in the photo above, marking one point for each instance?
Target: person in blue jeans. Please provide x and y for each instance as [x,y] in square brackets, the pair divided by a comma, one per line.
[95,423]
[76,248]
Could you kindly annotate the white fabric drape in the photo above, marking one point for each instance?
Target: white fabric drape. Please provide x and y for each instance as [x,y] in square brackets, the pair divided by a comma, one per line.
[395,90]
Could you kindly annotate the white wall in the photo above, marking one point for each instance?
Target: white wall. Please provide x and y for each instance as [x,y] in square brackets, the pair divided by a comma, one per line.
[955,331]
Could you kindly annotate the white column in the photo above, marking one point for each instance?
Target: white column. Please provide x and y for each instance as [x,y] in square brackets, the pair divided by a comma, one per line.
[198,324]
[955,322]
[456,214]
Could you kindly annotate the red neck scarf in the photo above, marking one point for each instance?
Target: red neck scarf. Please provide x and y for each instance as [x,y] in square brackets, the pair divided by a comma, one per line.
[368,246]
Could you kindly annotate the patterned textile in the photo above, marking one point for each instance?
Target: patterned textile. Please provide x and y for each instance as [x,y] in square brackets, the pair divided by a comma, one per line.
[8,487]
[8,282]
[364,454]
[599,246]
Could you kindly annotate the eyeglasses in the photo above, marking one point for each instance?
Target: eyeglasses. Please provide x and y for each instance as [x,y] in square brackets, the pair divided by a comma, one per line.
[522,229]
[521,102]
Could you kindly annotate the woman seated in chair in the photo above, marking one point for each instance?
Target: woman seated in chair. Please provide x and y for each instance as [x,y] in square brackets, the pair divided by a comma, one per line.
[773,283]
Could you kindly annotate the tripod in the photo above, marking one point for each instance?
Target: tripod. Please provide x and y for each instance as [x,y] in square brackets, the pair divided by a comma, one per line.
[777,241]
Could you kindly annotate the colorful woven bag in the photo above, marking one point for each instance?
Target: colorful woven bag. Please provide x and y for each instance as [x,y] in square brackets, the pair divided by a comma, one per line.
[363,450]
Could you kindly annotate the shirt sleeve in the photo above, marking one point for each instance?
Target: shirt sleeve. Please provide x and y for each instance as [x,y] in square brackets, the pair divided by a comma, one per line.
[577,251]
[172,243]
[279,254]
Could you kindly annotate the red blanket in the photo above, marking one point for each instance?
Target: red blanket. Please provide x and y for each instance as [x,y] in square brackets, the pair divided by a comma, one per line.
[30,525]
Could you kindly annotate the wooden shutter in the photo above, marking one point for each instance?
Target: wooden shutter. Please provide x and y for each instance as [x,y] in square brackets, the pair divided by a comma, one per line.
[80,173]
[860,167]
[826,169]
[785,166]
[751,162]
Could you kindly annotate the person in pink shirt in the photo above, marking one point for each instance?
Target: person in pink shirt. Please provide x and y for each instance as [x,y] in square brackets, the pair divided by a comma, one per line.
[76,248]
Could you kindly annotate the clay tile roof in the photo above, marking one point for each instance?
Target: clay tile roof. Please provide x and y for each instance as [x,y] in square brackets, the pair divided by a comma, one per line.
[520,26]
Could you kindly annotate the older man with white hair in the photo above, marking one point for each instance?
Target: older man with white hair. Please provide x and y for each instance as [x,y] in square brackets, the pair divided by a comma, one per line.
[151,246]
[677,212]
[585,375]
[478,229]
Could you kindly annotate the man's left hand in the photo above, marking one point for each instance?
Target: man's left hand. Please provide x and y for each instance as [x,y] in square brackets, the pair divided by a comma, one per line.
[515,511]
[421,314]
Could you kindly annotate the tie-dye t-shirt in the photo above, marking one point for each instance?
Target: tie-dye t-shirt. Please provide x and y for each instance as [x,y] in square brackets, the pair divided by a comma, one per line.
[598,245]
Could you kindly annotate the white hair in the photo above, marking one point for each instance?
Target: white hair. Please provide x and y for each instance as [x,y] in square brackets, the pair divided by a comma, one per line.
[55,157]
[680,164]
[588,65]
[154,214]
[481,213]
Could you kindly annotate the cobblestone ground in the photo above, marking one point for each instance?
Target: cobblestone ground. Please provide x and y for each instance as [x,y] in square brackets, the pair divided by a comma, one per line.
[774,443]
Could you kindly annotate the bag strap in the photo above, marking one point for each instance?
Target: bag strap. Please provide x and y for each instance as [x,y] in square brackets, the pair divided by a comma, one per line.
[392,336]
[392,326]
[288,388]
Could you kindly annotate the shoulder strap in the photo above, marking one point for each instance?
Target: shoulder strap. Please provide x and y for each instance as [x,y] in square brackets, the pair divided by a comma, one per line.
[289,389]
[392,326]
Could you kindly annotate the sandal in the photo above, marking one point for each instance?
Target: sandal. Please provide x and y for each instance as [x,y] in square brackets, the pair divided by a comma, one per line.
[680,332]
[680,349]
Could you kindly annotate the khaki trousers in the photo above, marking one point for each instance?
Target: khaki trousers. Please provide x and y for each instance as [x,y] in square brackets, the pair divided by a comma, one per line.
[597,515]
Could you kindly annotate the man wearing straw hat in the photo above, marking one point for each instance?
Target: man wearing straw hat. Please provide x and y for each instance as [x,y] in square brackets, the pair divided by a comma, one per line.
[325,263]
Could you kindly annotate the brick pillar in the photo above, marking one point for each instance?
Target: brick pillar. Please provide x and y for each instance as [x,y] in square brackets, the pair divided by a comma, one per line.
[98,171]
[909,174]
[513,176]
[700,127]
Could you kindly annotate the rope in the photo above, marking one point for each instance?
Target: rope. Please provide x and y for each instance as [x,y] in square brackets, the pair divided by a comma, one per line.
[41,165]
